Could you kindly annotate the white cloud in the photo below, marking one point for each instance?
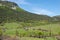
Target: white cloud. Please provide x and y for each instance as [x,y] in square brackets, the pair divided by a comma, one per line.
[20,2]
[42,11]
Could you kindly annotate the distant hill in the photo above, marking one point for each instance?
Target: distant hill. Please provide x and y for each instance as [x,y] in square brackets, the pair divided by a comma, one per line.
[57,18]
[11,12]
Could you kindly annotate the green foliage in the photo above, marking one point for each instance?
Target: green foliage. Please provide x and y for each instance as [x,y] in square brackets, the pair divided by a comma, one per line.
[16,22]
[20,15]
[8,14]
[0,31]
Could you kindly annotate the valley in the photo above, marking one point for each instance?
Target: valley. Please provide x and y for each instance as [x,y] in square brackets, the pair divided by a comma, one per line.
[19,24]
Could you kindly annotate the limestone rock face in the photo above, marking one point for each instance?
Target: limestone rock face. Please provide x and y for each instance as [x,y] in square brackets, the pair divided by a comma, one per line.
[11,5]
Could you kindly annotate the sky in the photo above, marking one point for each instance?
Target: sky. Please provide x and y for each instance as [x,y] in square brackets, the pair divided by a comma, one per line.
[44,7]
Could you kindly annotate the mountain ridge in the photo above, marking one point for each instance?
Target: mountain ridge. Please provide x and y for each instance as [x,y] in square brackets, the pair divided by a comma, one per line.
[19,14]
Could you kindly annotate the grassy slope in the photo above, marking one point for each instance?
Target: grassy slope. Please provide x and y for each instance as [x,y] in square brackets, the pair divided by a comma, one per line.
[12,30]
[55,28]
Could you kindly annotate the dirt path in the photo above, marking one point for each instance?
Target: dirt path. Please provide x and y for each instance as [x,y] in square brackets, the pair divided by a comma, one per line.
[11,38]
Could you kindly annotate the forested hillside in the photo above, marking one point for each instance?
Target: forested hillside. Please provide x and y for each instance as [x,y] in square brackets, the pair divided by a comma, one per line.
[7,13]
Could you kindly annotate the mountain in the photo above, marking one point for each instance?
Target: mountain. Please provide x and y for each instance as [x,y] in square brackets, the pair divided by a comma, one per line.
[11,12]
[57,18]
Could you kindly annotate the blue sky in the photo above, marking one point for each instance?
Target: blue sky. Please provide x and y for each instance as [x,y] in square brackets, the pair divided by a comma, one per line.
[45,7]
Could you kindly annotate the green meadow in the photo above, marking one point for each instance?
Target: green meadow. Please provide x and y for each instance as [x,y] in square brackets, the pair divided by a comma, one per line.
[25,33]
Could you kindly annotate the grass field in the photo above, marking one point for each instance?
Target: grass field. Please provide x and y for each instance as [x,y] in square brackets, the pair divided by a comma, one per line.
[12,27]
[30,38]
